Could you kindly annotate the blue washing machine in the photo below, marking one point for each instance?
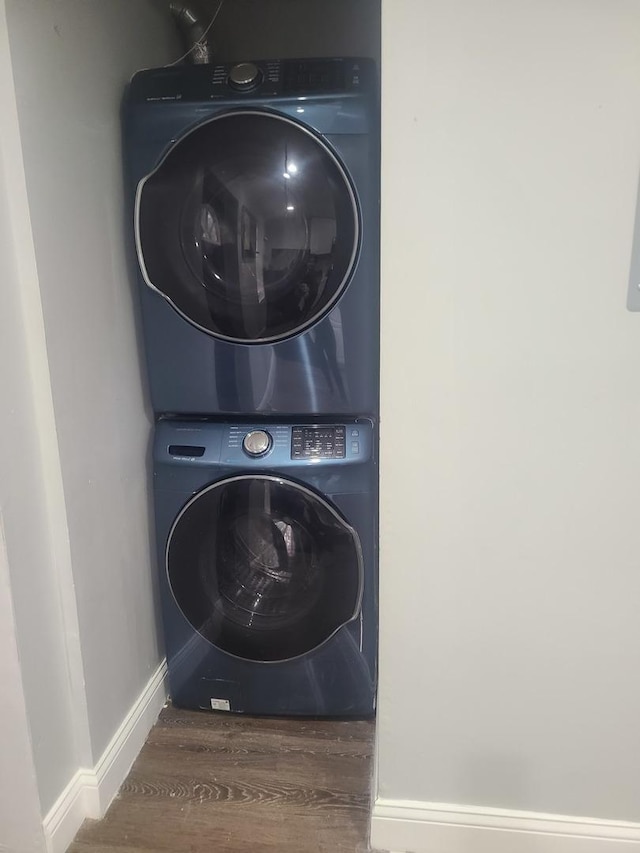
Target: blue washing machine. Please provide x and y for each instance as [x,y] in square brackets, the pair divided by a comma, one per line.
[267,539]
[257,234]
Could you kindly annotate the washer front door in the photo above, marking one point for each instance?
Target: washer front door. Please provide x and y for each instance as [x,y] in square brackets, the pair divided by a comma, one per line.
[249,227]
[264,568]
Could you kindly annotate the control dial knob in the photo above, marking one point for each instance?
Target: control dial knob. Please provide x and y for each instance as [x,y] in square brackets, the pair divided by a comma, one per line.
[245,75]
[257,442]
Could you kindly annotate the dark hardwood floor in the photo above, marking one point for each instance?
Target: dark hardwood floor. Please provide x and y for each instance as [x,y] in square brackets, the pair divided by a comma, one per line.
[215,782]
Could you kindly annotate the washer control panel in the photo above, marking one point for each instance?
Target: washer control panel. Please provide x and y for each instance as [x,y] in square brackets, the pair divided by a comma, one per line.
[278,444]
[318,442]
[266,444]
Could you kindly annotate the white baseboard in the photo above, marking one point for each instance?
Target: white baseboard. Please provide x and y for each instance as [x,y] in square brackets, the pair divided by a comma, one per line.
[416,827]
[90,792]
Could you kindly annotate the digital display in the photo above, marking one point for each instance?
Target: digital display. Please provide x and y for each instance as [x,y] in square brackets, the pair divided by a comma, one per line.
[313,76]
[321,442]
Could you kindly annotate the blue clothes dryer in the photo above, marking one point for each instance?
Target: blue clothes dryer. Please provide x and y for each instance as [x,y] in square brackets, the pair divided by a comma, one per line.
[267,539]
[256,191]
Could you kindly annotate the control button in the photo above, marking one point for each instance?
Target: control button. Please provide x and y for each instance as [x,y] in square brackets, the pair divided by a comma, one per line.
[244,76]
[355,433]
[355,447]
[257,443]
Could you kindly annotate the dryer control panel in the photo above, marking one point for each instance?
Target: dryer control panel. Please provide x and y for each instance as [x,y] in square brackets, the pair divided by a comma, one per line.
[294,78]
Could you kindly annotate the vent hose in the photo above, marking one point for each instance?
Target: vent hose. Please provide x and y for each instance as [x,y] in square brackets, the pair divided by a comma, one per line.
[193,31]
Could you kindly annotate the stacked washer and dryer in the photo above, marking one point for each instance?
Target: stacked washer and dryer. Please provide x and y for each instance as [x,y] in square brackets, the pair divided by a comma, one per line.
[256,226]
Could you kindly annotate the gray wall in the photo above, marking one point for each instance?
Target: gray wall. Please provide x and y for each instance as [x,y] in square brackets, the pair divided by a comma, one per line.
[71,60]
[20,825]
[30,484]
[510,637]
[266,29]
[23,511]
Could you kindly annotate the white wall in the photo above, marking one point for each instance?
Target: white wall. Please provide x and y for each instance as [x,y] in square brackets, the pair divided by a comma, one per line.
[30,483]
[71,60]
[510,553]
[20,825]
[22,506]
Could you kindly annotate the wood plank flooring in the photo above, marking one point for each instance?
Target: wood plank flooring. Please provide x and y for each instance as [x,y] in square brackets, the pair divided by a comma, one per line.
[225,783]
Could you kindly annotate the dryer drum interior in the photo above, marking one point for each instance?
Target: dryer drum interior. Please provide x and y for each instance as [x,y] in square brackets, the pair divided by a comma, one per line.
[264,568]
[249,227]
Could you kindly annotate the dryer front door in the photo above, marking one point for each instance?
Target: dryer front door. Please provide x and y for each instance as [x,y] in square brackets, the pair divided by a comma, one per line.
[264,568]
[249,227]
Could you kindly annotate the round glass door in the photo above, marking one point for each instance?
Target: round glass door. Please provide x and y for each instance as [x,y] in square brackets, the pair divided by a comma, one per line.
[249,227]
[264,568]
